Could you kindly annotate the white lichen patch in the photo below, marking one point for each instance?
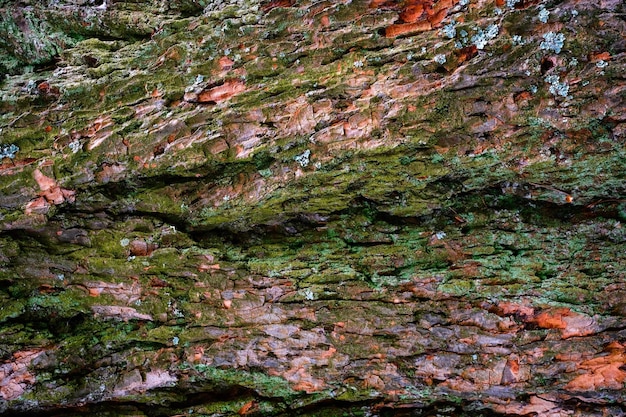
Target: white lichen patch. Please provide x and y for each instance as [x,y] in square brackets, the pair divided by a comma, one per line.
[303,159]
[481,37]
[543,15]
[552,42]
[557,87]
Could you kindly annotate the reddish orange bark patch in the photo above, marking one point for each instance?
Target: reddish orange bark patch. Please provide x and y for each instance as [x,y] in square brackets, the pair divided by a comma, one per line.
[95,292]
[45,183]
[599,56]
[37,206]
[570,323]
[221,92]
[307,386]
[523,96]
[45,89]
[377,4]
[507,308]
[437,17]
[412,13]
[9,168]
[416,15]
[406,28]
[248,408]
[467,53]
[301,379]
[110,172]
[603,372]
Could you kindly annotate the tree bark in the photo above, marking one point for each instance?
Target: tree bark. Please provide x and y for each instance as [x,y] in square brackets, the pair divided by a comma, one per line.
[312,208]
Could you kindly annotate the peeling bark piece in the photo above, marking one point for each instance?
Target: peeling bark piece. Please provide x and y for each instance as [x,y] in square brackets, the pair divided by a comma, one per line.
[603,372]
[412,13]
[110,172]
[466,53]
[412,267]
[221,92]
[538,406]
[570,323]
[51,194]
[15,376]
[418,16]
[599,56]
[505,308]
[119,313]
[68,195]
[37,206]
[399,29]
[437,18]
[127,293]
[133,382]
[376,4]
[45,183]
[510,374]
[54,196]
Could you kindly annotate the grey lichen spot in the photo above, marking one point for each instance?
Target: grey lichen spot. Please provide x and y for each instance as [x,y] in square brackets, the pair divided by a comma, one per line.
[8,151]
[303,158]
[602,64]
[481,38]
[74,146]
[556,86]
[449,30]
[552,42]
[308,294]
[543,15]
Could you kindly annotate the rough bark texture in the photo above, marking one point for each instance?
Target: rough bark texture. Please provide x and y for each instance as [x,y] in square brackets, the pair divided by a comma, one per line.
[312,207]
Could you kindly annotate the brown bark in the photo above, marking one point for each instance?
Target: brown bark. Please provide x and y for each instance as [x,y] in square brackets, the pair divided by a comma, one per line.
[312,208]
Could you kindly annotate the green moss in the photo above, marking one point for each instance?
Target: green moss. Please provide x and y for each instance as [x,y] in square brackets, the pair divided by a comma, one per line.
[457,287]
[66,304]
[266,386]
[346,239]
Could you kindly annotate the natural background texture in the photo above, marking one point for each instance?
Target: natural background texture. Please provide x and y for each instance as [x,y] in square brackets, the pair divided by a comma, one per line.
[312,207]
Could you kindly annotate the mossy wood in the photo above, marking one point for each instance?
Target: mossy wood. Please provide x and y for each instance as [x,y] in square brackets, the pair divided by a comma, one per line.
[298,207]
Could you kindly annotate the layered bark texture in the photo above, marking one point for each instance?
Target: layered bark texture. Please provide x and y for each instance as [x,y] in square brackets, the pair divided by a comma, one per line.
[299,207]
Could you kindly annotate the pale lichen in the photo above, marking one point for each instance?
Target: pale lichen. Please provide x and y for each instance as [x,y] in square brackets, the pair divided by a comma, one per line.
[552,42]
[8,151]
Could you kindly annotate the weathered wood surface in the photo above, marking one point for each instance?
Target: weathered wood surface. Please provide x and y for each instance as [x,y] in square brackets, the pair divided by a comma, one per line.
[312,208]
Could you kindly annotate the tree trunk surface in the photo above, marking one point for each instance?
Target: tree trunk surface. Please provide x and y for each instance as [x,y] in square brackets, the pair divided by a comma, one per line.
[299,207]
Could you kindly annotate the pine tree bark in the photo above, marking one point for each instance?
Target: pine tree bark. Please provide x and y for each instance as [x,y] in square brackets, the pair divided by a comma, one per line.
[312,208]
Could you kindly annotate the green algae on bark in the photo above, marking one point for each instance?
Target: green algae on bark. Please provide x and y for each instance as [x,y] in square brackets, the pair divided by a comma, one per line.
[278,208]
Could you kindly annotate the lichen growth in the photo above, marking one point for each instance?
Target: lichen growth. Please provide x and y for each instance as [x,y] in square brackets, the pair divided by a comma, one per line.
[552,42]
